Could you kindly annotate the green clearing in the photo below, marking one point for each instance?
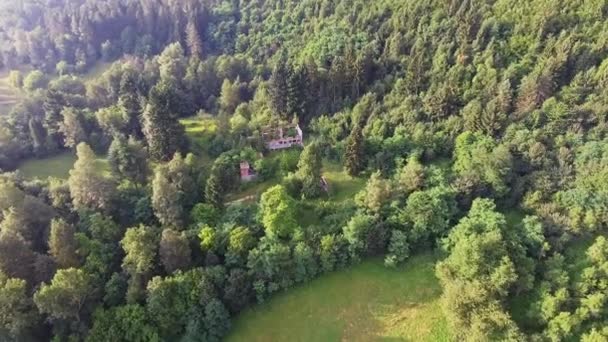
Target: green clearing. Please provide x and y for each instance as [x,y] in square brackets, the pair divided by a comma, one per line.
[57,166]
[367,302]
[341,185]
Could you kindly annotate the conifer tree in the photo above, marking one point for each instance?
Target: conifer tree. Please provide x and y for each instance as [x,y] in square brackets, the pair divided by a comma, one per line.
[53,105]
[166,199]
[129,101]
[214,192]
[309,171]
[193,39]
[278,89]
[353,155]
[164,134]
[128,159]
[38,135]
[296,92]
[88,187]
[62,245]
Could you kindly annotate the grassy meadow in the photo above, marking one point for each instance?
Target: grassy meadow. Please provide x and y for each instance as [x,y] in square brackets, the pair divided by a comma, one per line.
[57,166]
[367,302]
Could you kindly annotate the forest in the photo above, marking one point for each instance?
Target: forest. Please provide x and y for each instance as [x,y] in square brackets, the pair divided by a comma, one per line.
[477,130]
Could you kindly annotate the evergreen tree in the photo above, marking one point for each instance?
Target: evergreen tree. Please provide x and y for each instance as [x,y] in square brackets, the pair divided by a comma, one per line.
[72,127]
[353,155]
[38,135]
[309,171]
[174,251]
[17,311]
[164,134]
[89,188]
[278,89]
[129,101]
[167,199]
[128,159]
[296,92]
[193,39]
[62,244]
[214,192]
[53,105]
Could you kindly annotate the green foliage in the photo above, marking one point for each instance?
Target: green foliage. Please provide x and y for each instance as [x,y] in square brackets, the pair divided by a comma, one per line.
[478,273]
[140,246]
[161,127]
[398,248]
[481,162]
[204,213]
[66,295]
[174,251]
[34,80]
[429,213]
[309,171]
[128,160]
[15,79]
[88,187]
[122,323]
[278,213]
[445,102]
[17,313]
[62,245]
[353,155]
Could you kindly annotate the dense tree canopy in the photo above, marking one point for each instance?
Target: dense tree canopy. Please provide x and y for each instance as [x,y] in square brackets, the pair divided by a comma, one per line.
[474,127]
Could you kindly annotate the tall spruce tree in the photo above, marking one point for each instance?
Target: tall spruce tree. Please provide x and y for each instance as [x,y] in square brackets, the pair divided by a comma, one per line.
[296,92]
[309,171]
[353,155]
[278,89]
[129,101]
[214,192]
[164,134]
[193,39]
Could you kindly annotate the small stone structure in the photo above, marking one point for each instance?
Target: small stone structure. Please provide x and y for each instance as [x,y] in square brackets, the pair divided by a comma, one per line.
[283,137]
[247,173]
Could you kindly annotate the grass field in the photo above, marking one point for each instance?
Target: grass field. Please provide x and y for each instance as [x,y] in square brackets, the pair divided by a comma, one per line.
[57,166]
[341,185]
[367,302]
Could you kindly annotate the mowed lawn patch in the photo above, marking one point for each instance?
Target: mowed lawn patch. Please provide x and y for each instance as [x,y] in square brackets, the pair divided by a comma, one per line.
[57,166]
[367,302]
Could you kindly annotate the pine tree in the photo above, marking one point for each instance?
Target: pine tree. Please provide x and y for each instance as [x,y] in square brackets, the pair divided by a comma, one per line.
[128,159]
[296,92]
[62,245]
[354,152]
[72,127]
[166,200]
[309,171]
[129,101]
[214,192]
[278,89]
[193,39]
[164,134]
[53,104]
[38,135]
[88,187]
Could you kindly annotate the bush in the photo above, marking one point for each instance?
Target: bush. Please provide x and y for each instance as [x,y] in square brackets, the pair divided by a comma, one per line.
[266,168]
[204,213]
[15,79]
[293,185]
[289,159]
[35,80]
